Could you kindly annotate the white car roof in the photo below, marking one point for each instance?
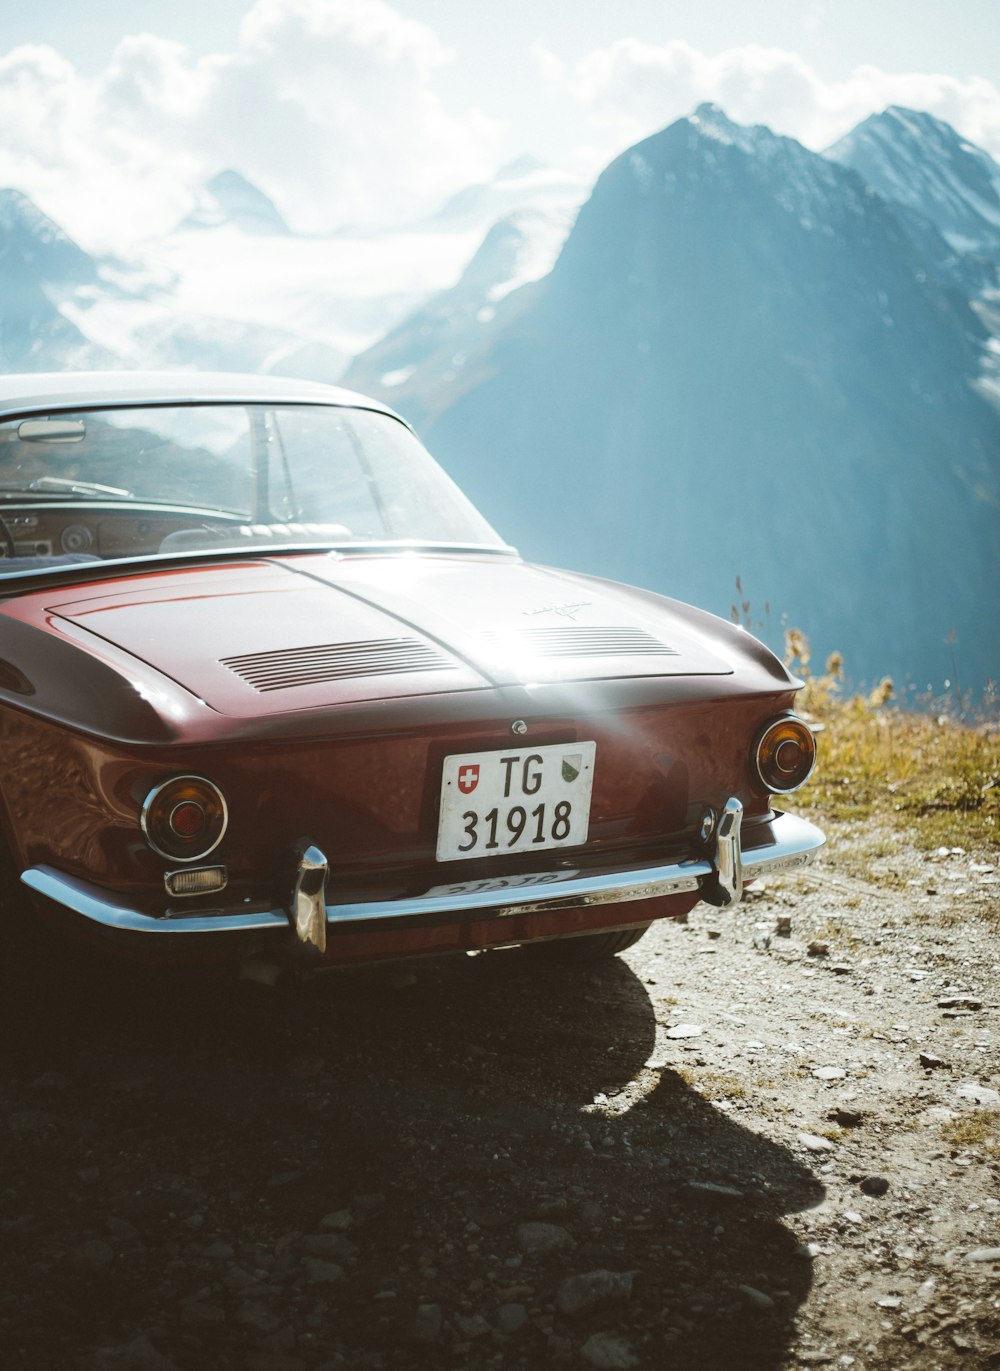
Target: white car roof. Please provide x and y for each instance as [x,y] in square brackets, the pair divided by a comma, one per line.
[48,390]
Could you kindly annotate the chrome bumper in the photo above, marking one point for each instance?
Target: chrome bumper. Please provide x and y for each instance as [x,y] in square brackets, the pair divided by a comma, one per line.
[719,877]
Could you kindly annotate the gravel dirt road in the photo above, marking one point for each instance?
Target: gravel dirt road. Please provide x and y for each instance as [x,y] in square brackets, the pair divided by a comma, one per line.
[766,1139]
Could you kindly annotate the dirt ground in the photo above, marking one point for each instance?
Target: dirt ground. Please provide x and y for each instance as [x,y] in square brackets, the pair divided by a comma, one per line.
[764,1139]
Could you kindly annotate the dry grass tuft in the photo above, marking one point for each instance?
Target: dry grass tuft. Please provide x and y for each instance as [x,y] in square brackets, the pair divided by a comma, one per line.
[935,777]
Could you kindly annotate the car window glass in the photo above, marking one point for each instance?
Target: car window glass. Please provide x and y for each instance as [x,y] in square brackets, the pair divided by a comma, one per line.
[191,455]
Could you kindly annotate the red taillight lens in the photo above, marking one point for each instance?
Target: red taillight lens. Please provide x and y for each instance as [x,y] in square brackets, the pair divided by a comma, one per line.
[784,754]
[184,818]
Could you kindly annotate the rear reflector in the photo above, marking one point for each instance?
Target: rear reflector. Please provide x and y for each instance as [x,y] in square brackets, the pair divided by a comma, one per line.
[199,880]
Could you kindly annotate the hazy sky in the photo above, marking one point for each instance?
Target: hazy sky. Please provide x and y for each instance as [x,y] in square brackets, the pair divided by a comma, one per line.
[112,111]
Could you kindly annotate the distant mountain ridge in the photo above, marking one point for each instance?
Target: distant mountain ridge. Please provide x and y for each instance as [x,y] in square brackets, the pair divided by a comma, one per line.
[742,364]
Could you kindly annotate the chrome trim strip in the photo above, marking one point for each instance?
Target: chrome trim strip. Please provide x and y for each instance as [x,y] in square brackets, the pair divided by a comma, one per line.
[794,842]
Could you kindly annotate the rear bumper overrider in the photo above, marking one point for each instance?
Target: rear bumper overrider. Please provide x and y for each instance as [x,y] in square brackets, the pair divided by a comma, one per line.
[782,843]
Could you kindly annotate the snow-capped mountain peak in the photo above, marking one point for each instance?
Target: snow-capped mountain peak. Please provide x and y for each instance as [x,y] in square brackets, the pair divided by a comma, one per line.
[919,161]
[228,198]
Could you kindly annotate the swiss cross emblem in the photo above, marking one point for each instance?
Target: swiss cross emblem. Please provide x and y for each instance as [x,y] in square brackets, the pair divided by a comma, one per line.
[468,779]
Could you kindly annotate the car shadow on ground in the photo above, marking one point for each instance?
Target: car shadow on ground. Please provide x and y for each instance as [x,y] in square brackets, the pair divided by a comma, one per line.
[358,1172]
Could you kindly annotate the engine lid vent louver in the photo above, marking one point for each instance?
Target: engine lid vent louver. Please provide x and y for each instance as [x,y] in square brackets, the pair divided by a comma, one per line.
[302,666]
[582,640]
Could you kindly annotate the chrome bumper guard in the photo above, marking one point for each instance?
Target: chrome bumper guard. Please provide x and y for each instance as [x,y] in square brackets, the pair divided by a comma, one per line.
[719,878]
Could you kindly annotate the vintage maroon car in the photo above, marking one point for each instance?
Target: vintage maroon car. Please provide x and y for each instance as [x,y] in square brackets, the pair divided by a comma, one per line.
[270,686]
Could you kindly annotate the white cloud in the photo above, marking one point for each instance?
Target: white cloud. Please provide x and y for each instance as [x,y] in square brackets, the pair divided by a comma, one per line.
[630,89]
[330,105]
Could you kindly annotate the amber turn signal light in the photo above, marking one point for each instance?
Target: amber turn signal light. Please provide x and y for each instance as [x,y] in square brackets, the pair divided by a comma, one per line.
[184,818]
[784,754]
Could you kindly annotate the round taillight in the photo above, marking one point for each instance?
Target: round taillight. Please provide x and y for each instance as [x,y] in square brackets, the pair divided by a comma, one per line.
[184,818]
[784,754]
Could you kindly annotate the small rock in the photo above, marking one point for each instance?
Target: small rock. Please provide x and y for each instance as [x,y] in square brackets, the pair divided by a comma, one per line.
[137,1355]
[427,1323]
[610,1353]
[984,1254]
[711,1190]
[978,1094]
[578,1294]
[199,1314]
[931,1063]
[340,1220]
[852,1216]
[472,1326]
[960,1002]
[368,1204]
[542,1237]
[889,1302]
[813,1143]
[92,1255]
[685,1030]
[841,969]
[808,1250]
[829,1073]
[122,1229]
[258,1317]
[237,1279]
[319,1272]
[875,1186]
[218,1251]
[847,1118]
[510,1319]
[755,1299]
[26,1123]
[783,928]
[49,1081]
[332,1247]
[818,948]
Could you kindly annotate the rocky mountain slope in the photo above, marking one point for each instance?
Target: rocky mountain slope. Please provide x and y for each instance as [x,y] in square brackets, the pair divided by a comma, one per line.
[743,364]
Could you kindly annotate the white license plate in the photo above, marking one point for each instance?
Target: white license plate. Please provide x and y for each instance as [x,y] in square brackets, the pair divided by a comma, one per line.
[521,800]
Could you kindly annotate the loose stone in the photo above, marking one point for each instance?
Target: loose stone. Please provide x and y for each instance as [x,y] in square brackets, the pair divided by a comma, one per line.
[577,1294]
[427,1323]
[320,1272]
[978,1094]
[472,1326]
[847,1118]
[93,1255]
[542,1237]
[510,1318]
[610,1353]
[875,1185]
[198,1314]
[329,1246]
[829,1073]
[685,1030]
[814,1143]
[931,1063]
[755,1299]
